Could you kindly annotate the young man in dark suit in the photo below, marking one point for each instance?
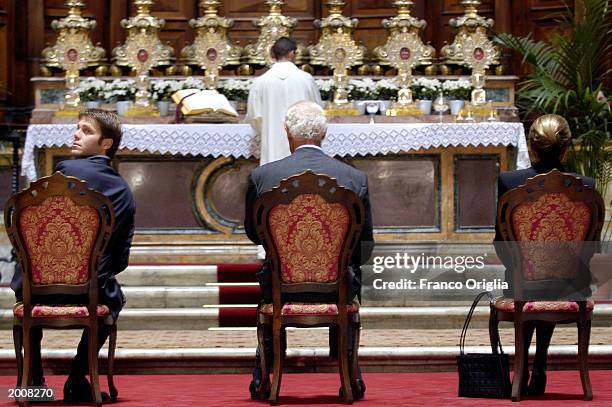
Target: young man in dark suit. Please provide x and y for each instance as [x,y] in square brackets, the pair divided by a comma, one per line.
[306,125]
[548,142]
[96,140]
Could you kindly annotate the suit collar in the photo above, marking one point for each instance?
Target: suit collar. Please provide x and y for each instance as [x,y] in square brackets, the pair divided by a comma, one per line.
[309,149]
[542,167]
[100,159]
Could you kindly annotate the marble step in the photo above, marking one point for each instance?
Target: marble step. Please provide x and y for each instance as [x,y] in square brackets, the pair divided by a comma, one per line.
[168,275]
[372,318]
[223,360]
[147,297]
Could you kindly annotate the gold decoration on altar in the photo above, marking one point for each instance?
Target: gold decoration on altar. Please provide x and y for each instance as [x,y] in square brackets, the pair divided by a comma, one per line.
[143,51]
[338,50]
[272,27]
[404,22]
[211,49]
[472,47]
[404,51]
[72,52]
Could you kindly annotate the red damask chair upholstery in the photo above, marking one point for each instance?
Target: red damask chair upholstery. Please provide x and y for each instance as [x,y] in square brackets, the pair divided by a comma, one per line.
[59,229]
[309,226]
[548,220]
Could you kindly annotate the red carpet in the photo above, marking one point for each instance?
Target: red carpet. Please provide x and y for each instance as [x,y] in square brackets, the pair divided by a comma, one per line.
[237,273]
[237,316]
[235,295]
[239,294]
[384,389]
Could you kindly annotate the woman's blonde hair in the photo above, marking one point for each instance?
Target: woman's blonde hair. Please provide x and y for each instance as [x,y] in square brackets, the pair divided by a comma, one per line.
[549,136]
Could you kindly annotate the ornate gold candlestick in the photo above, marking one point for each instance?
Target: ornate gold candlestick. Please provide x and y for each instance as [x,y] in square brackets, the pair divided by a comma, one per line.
[338,50]
[472,47]
[404,50]
[211,49]
[142,51]
[271,27]
[72,52]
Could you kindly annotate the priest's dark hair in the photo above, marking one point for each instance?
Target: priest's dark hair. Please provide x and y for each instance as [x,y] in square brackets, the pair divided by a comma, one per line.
[282,47]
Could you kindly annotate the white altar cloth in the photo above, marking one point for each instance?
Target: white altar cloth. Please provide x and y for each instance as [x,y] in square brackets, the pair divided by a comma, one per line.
[238,140]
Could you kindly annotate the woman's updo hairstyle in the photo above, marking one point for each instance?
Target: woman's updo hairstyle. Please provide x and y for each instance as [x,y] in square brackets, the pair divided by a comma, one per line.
[549,137]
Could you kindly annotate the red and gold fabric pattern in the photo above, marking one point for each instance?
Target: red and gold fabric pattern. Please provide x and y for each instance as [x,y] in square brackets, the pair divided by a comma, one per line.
[507,304]
[308,234]
[308,309]
[59,311]
[59,236]
[552,218]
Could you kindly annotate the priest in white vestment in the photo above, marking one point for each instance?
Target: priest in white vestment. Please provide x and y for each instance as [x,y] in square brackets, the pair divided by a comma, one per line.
[271,95]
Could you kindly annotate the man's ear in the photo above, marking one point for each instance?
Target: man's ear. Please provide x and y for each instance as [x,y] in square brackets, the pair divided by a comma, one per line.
[107,143]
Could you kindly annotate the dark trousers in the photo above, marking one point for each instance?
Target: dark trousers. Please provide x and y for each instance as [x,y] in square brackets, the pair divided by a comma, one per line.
[80,363]
[544,331]
[268,347]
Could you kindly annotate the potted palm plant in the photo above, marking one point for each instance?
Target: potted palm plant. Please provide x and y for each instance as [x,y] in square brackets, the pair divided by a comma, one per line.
[567,77]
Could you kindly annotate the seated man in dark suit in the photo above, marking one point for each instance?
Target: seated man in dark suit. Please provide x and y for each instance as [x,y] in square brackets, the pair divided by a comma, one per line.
[96,140]
[306,125]
[548,141]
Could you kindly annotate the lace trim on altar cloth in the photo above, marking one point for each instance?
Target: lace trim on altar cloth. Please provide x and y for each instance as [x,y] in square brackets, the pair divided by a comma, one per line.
[239,140]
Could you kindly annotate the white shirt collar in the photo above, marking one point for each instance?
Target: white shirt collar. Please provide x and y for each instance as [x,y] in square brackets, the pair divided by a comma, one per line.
[309,145]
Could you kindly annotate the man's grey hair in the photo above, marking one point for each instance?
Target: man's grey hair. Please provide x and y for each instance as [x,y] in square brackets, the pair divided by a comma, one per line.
[306,120]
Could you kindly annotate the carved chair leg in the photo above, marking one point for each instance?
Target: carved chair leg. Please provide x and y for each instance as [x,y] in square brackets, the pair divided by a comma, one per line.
[584,333]
[112,342]
[92,354]
[356,332]
[27,360]
[519,360]
[18,342]
[343,361]
[264,387]
[278,358]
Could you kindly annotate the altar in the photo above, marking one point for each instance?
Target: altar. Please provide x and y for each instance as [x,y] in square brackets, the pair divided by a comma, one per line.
[428,181]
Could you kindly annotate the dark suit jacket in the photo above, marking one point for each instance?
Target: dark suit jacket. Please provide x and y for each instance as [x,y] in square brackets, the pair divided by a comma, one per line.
[100,176]
[512,179]
[268,176]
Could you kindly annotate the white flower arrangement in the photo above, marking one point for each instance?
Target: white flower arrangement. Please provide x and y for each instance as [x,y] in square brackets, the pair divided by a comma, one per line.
[362,89]
[425,88]
[460,89]
[235,89]
[192,83]
[91,89]
[326,88]
[119,90]
[163,90]
[386,89]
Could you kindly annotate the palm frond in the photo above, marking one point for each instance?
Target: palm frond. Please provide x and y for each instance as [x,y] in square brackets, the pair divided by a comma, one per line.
[567,78]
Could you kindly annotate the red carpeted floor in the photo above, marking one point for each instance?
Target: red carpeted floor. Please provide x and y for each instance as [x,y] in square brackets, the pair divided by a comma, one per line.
[384,389]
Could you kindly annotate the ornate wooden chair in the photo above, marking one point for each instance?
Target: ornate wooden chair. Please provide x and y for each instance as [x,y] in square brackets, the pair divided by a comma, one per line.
[59,229]
[550,210]
[309,226]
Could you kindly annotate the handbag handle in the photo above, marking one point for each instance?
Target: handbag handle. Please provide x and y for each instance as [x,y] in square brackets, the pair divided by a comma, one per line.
[469,318]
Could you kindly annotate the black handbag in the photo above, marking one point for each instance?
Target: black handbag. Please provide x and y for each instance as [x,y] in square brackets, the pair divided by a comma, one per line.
[483,374]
